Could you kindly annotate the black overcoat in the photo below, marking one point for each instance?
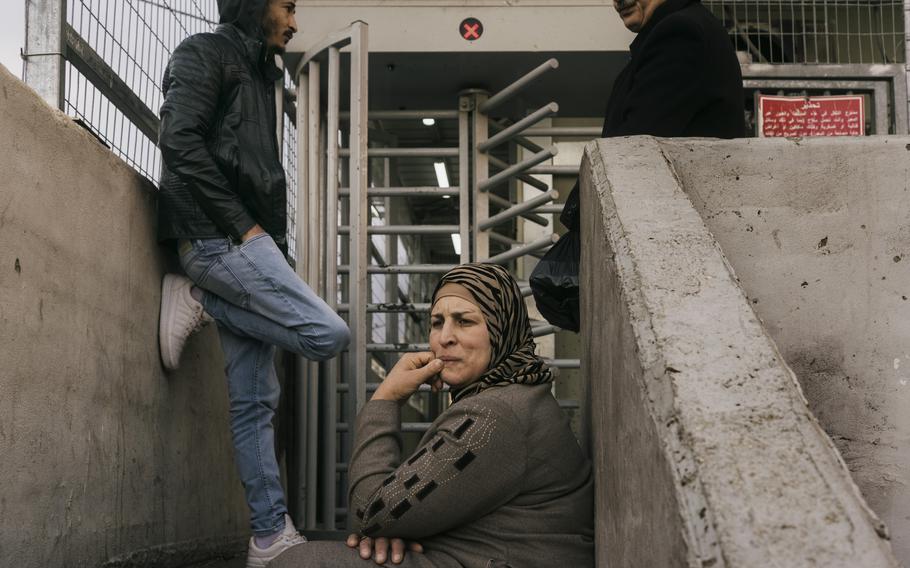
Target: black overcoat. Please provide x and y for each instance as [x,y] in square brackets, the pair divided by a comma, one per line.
[683,79]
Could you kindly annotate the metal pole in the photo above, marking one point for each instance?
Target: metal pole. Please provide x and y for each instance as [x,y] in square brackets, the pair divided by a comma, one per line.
[404,229]
[480,240]
[391,256]
[404,192]
[523,167]
[555,209]
[533,182]
[359,207]
[464,178]
[330,413]
[497,126]
[301,410]
[505,203]
[517,86]
[346,374]
[566,131]
[554,171]
[408,114]
[400,269]
[279,105]
[392,306]
[563,363]
[45,64]
[517,210]
[407,152]
[311,215]
[397,347]
[517,128]
[508,241]
[319,282]
[542,330]
[523,250]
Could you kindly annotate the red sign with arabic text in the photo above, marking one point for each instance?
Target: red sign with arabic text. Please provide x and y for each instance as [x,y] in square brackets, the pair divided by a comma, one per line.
[811,116]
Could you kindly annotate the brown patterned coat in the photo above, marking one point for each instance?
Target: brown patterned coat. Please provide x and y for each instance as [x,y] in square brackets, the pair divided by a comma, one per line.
[498,481]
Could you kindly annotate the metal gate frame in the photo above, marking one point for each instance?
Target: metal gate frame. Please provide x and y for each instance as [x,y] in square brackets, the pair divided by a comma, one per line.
[321,433]
[317,250]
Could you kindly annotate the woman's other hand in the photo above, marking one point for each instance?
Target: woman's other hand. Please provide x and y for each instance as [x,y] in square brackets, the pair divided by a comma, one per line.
[378,549]
[413,370]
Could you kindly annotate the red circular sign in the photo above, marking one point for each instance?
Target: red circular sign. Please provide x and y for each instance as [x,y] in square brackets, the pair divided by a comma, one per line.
[471,29]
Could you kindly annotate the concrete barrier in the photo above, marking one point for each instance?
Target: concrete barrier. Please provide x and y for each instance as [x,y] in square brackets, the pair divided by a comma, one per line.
[705,449]
[818,231]
[104,456]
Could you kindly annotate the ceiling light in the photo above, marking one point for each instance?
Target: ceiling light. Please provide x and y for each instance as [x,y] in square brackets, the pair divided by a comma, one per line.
[441,175]
[456,243]
[429,121]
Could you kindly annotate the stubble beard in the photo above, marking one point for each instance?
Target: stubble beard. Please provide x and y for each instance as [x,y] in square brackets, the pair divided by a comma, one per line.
[269,30]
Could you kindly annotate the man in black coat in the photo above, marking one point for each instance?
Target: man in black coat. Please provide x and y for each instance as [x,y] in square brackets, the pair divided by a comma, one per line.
[683,78]
[222,205]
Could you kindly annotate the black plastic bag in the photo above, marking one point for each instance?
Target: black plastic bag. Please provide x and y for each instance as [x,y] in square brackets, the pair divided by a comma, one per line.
[554,282]
[571,211]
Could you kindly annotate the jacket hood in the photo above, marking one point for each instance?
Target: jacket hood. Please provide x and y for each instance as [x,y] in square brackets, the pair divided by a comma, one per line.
[245,14]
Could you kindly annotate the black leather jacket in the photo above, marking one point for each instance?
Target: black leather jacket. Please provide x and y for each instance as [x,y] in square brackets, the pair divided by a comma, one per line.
[222,171]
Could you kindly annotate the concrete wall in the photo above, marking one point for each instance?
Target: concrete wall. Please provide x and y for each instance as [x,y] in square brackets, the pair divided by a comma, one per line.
[819,233]
[103,454]
[705,450]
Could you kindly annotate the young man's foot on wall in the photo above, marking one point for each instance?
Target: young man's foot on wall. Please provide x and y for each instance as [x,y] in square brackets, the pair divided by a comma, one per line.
[181,316]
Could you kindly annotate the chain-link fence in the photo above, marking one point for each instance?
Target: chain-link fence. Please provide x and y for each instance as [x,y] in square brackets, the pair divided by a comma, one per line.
[289,158]
[815,31]
[135,39]
[126,45]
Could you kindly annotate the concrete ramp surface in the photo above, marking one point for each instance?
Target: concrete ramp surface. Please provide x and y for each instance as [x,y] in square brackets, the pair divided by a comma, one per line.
[725,279]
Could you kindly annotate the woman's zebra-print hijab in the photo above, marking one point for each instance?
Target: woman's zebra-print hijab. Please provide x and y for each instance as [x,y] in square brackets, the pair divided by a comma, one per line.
[499,298]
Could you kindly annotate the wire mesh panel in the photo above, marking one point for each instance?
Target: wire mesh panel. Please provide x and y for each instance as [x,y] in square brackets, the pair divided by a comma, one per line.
[135,39]
[815,31]
[94,111]
[289,160]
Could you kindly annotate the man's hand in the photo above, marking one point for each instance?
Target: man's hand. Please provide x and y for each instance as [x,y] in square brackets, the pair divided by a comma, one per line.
[413,370]
[256,230]
[378,548]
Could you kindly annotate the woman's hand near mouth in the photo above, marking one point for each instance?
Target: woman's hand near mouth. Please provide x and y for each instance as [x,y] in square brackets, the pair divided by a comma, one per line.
[413,370]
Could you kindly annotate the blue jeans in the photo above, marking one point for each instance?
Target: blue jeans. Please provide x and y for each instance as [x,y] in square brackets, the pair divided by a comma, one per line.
[259,302]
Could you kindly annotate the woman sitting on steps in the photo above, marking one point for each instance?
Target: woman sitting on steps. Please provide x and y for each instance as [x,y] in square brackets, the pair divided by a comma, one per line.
[498,480]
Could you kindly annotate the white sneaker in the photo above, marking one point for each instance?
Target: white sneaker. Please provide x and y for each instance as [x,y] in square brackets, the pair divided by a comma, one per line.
[181,315]
[260,557]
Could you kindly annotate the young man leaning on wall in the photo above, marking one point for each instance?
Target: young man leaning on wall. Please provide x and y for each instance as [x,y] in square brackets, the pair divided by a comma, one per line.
[222,205]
